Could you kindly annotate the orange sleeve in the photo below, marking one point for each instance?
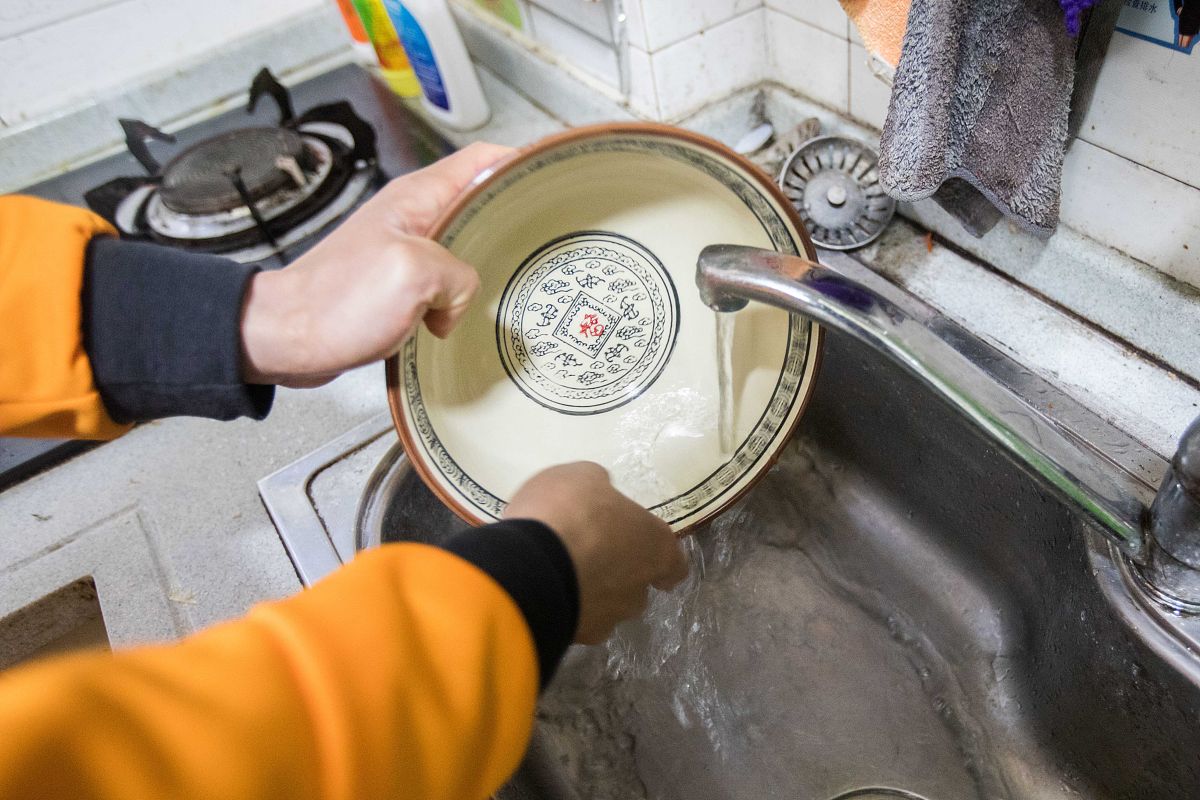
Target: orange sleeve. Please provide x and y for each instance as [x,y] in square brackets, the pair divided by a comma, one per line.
[408,673]
[46,386]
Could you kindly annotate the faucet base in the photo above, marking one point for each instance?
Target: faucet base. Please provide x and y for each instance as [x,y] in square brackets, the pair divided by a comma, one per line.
[1170,583]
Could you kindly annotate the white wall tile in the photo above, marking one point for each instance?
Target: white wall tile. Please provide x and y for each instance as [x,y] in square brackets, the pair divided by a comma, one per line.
[869,96]
[79,57]
[824,14]
[590,16]
[19,16]
[709,65]
[1150,216]
[575,45]
[558,91]
[808,60]
[635,23]
[497,9]
[643,95]
[669,21]
[305,41]
[1146,107]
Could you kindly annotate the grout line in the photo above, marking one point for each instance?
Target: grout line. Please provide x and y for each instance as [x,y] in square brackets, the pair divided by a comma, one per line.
[1136,163]
[531,32]
[811,24]
[849,75]
[610,45]
[59,19]
[703,30]
[658,112]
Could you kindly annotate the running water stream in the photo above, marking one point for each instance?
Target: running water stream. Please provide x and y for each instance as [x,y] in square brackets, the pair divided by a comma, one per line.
[725,327]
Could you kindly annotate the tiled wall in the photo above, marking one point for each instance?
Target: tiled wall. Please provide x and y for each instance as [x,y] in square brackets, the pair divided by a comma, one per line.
[690,53]
[1131,181]
[683,54]
[582,32]
[44,42]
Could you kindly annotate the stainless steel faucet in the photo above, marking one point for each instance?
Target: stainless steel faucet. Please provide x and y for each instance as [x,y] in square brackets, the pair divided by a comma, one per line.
[1164,541]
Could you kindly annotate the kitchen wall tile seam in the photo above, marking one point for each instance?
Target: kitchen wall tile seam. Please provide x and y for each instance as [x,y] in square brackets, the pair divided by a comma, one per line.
[1147,167]
[708,29]
[690,73]
[11,30]
[841,31]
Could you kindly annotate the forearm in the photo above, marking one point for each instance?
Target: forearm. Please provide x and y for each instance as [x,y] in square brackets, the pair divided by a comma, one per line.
[409,673]
[97,333]
[162,328]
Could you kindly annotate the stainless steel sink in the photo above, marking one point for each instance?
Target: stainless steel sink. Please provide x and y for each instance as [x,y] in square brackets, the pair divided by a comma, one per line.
[894,607]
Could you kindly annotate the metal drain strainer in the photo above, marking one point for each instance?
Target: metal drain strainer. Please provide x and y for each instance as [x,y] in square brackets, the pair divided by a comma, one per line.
[833,182]
[879,793]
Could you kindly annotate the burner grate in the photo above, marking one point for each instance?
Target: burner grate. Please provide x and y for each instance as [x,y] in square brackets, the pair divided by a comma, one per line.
[200,180]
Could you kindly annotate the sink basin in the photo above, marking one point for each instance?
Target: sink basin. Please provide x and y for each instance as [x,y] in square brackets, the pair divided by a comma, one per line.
[894,611]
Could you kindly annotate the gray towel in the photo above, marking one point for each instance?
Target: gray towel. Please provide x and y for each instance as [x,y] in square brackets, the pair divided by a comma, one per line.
[981,93]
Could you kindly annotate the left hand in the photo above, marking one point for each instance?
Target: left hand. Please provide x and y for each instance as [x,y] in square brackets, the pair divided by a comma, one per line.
[356,296]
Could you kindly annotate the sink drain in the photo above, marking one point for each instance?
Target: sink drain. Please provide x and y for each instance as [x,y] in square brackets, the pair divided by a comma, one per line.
[879,793]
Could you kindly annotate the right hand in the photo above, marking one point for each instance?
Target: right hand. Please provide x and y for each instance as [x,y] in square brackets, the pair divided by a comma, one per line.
[619,549]
[363,289]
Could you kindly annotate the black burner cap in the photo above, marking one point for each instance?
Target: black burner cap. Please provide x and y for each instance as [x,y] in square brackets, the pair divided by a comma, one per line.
[200,180]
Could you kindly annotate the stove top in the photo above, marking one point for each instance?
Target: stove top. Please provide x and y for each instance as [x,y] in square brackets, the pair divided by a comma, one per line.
[251,192]
[401,141]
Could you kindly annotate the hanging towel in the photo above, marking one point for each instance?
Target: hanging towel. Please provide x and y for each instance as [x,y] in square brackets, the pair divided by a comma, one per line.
[880,25]
[981,93]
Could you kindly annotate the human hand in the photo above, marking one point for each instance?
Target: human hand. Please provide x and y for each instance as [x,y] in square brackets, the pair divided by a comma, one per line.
[357,295]
[619,549]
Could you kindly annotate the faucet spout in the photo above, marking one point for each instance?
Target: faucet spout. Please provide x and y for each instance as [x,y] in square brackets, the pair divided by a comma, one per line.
[924,343]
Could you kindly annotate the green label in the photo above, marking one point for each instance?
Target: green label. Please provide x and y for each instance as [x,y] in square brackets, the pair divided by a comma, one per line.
[507,10]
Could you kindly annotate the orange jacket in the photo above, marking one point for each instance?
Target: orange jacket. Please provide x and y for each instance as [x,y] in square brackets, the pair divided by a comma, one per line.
[408,673]
[46,386]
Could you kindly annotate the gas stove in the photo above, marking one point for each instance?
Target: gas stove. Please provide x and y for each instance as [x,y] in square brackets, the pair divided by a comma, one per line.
[259,185]
[249,193]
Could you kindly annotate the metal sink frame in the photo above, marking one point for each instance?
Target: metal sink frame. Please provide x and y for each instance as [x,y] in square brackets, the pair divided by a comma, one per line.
[895,608]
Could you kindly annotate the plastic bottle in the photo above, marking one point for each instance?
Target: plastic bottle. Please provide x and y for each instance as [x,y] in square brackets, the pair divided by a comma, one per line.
[393,64]
[450,89]
[364,53]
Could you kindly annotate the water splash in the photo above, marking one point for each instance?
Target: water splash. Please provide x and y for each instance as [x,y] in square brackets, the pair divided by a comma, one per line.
[658,435]
[725,326]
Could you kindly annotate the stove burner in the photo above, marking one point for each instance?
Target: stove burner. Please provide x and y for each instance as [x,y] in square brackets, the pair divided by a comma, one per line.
[242,222]
[200,179]
[249,193]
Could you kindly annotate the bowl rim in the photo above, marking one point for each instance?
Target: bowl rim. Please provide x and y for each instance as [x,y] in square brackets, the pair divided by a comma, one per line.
[603,130]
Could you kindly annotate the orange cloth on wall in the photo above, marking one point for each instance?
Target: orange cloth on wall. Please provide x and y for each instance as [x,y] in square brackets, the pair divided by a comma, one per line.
[46,386]
[409,673]
[881,24]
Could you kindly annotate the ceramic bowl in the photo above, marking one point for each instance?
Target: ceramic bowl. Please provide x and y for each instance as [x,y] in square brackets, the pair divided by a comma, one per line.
[588,339]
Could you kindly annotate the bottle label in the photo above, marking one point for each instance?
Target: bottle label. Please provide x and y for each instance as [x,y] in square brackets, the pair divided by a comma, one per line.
[420,54]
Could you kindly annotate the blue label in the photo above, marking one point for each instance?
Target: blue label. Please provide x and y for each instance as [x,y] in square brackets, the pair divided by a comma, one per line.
[1174,24]
[420,54]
